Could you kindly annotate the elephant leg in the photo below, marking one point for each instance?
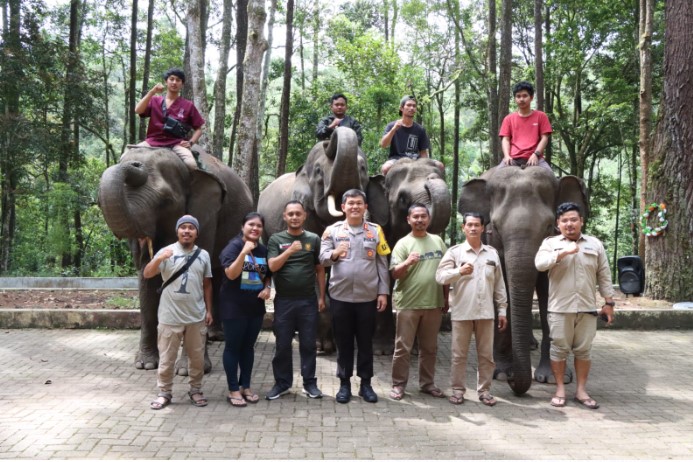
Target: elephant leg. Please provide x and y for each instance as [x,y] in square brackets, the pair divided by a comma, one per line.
[384,337]
[181,367]
[543,373]
[215,333]
[325,338]
[503,354]
[148,355]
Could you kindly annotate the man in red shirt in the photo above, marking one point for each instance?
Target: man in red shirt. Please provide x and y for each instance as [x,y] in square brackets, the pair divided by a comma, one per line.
[525,133]
[171,105]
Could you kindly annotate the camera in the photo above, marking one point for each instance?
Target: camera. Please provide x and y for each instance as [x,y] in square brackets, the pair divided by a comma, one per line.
[176,128]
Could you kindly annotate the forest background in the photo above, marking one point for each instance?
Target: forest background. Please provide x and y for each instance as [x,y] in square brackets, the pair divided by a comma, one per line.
[71,72]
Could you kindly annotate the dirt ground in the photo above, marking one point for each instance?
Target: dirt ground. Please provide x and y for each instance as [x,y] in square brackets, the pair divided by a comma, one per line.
[69,298]
[128,299]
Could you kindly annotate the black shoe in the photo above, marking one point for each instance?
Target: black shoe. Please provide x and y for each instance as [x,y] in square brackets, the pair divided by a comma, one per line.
[344,393]
[367,393]
[312,391]
[276,392]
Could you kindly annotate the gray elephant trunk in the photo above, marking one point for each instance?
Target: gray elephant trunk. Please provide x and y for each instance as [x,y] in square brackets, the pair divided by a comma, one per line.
[440,205]
[521,283]
[343,148]
[112,198]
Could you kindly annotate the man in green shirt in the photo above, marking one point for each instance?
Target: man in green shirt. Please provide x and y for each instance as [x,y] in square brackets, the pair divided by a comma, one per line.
[294,259]
[420,302]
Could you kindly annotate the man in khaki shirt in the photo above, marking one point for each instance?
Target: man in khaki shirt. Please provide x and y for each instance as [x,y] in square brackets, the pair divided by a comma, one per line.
[576,264]
[474,272]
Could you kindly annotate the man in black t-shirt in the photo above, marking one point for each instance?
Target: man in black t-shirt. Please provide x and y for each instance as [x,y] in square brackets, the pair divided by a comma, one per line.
[293,257]
[406,138]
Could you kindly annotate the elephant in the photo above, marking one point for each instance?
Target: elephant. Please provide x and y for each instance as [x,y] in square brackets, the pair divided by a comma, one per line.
[518,205]
[332,167]
[141,198]
[408,181]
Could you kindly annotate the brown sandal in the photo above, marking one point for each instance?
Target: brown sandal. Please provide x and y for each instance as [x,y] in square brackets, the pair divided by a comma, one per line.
[199,402]
[488,399]
[434,391]
[397,393]
[249,396]
[456,398]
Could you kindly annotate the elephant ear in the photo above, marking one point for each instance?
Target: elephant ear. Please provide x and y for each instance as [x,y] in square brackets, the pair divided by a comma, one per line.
[475,198]
[573,189]
[302,190]
[378,206]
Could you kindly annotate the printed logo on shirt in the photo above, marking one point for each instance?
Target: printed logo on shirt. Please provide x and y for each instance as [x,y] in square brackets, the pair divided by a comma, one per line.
[181,113]
[250,279]
[413,143]
[437,255]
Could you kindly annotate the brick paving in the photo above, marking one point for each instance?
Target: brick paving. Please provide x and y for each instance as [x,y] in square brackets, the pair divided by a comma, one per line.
[96,407]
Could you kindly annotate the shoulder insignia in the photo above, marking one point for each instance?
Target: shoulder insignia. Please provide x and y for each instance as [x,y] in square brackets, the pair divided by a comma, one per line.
[383,248]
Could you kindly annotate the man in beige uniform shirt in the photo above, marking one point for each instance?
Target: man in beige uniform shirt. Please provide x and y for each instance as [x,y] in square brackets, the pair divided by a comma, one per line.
[576,263]
[474,272]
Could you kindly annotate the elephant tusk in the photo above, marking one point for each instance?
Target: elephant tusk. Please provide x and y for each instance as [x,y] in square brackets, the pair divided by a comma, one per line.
[331,207]
[150,247]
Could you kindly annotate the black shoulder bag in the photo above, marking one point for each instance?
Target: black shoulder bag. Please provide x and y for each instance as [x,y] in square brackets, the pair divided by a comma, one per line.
[172,126]
[177,274]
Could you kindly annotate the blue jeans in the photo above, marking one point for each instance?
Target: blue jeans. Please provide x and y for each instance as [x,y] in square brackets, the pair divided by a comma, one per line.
[239,351]
[291,315]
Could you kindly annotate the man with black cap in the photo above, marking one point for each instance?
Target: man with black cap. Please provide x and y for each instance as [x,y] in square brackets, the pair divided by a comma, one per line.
[171,117]
[404,137]
[185,309]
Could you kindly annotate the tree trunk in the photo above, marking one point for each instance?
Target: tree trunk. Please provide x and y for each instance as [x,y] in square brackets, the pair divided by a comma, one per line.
[286,92]
[645,109]
[256,46]
[146,65]
[241,42]
[506,50]
[492,86]
[538,55]
[132,123]
[10,72]
[456,136]
[196,80]
[668,257]
[265,78]
[220,83]
[316,45]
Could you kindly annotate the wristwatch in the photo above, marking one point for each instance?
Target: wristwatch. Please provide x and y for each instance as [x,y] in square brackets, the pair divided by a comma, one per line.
[612,304]
[537,153]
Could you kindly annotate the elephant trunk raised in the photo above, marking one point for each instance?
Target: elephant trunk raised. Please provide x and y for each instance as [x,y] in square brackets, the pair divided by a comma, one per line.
[439,202]
[342,150]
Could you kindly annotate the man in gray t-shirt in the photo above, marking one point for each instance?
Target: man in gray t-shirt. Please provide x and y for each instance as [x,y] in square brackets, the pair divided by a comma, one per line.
[185,310]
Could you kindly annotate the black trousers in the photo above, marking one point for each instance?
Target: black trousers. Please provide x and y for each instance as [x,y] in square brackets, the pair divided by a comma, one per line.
[354,321]
[291,315]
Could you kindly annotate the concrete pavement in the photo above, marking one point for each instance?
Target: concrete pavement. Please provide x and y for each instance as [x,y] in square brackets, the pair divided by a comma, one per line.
[75,394]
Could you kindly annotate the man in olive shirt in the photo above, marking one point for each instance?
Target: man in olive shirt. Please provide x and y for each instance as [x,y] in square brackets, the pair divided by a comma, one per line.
[294,259]
[420,302]
[576,264]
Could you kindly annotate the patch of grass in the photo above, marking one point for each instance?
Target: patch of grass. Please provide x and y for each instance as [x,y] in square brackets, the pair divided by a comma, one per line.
[123,302]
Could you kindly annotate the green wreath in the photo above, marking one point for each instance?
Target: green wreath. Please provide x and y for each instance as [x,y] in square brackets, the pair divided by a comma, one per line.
[661,214]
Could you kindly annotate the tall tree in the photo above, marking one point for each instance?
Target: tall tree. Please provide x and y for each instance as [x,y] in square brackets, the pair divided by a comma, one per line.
[256,45]
[504,74]
[241,43]
[645,107]
[538,55]
[668,257]
[196,47]
[492,85]
[286,91]
[146,66]
[10,73]
[132,87]
[220,83]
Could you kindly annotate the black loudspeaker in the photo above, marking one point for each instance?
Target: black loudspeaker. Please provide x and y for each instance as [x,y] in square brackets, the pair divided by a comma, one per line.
[631,275]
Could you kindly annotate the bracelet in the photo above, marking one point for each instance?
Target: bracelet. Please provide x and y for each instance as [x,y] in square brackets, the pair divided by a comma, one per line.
[268,287]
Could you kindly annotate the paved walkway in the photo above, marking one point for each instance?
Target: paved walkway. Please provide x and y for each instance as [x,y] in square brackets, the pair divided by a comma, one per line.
[75,394]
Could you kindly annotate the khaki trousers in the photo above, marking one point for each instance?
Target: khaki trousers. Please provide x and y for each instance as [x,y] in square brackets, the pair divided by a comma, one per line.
[423,324]
[194,338]
[185,154]
[461,337]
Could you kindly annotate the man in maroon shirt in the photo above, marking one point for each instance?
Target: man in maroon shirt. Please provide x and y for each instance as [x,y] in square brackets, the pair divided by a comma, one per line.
[172,105]
[525,133]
